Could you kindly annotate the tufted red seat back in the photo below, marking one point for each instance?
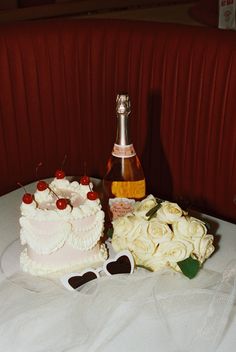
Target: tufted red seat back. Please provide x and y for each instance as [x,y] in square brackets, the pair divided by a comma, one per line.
[59,80]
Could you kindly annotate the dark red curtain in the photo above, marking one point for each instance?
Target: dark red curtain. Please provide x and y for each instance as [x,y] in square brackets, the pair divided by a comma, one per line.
[59,81]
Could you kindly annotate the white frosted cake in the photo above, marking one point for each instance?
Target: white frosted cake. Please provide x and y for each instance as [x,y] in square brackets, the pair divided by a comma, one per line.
[61,227]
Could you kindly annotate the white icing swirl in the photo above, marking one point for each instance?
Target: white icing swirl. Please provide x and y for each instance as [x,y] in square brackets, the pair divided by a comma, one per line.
[45,196]
[34,268]
[28,209]
[60,183]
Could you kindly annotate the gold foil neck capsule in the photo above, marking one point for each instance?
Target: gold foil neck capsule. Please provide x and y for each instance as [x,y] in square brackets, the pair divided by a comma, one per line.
[123,105]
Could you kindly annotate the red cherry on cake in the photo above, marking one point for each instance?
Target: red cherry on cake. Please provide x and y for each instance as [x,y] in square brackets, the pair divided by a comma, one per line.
[92,195]
[27,198]
[42,185]
[61,203]
[85,180]
[59,174]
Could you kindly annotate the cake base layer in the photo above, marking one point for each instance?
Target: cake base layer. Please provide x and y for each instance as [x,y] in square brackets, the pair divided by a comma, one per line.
[67,259]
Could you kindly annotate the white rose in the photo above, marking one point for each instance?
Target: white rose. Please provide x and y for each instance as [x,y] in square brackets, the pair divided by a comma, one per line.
[155,263]
[180,228]
[123,225]
[203,247]
[119,243]
[189,228]
[169,212]
[126,229]
[197,227]
[175,250]
[139,229]
[142,248]
[158,232]
[141,208]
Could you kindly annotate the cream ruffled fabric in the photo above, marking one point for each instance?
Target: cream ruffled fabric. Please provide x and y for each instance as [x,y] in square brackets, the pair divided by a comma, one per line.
[161,311]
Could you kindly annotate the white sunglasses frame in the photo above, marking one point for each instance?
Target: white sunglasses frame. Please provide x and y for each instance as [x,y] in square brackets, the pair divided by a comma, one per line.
[65,279]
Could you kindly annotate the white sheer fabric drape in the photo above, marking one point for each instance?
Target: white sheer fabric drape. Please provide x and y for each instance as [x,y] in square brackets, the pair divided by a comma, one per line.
[163,311]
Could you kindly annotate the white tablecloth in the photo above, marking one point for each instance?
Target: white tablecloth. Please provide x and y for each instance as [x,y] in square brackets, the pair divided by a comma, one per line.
[141,312]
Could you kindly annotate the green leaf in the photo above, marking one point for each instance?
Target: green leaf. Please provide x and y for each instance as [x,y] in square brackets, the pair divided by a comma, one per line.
[189,267]
[110,232]
[153,211]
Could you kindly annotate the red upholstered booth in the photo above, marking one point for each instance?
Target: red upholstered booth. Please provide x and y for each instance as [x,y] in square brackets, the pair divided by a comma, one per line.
[59,80]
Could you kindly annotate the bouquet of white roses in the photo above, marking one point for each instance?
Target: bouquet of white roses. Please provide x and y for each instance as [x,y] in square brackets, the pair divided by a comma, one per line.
[159,234]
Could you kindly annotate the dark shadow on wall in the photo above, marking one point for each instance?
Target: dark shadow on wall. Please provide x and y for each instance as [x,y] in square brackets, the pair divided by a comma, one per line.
[155,163]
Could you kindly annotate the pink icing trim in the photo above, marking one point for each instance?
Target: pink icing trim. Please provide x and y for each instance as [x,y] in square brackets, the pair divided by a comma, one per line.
[65,255]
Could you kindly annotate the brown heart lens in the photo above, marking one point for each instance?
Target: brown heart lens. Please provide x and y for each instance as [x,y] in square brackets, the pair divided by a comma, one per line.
[77,281]
[121,266]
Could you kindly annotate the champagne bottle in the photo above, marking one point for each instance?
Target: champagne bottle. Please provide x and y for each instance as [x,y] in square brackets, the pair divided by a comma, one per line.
[124,179]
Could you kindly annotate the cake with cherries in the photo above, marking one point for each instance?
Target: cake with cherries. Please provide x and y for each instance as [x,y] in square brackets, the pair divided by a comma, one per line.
[61,227]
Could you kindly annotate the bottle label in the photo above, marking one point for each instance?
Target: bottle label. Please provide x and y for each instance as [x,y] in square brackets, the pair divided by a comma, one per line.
[123,151]
[128,189]
[121,206]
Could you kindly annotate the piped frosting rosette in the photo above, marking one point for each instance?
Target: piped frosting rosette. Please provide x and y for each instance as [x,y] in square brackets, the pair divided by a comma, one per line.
[44,230]
[86,231]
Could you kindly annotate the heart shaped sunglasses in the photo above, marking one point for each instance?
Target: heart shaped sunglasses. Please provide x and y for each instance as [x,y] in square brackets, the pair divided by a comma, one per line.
[123,263]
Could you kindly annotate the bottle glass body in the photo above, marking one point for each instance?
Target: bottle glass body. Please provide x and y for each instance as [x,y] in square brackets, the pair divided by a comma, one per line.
[124,178]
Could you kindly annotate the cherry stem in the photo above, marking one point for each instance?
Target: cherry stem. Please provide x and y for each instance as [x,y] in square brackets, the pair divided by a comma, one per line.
[63,162]
[20,184]
[51,190]
[37,168]
[85,168]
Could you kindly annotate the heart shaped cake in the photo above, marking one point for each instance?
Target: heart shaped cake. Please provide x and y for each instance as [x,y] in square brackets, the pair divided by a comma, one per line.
[61,227]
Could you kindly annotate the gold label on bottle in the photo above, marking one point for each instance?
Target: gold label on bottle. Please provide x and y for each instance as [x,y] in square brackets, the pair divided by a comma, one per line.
[128,189]
[123,151]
